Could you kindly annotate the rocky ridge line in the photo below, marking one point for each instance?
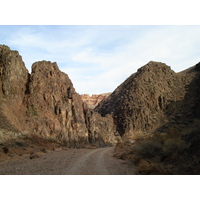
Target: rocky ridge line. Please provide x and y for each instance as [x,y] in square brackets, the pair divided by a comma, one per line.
[45,103]
[155,97]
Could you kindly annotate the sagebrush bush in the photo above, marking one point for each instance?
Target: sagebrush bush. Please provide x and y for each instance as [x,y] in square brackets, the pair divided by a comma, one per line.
[174,145]
[148,148]
[123,151]
[151,168]
[175,152]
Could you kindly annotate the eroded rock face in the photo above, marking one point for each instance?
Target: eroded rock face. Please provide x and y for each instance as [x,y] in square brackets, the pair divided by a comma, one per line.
[151,98]
[54,108]
[13,86]
[94,100]
[45,103]
[101,130]
[14,75]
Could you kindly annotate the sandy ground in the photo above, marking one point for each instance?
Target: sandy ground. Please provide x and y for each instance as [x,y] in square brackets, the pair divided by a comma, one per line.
[70,162]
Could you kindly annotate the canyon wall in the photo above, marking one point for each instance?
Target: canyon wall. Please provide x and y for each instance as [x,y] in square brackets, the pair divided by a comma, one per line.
[154,97]
[94,100]
[46,104]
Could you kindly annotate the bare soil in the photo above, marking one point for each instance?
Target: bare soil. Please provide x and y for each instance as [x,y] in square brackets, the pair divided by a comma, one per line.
[69,162]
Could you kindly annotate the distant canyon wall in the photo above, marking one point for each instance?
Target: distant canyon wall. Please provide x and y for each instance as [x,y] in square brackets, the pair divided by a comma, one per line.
[94,100]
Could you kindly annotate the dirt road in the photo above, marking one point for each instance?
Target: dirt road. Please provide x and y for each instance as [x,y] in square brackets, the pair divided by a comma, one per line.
[70,162]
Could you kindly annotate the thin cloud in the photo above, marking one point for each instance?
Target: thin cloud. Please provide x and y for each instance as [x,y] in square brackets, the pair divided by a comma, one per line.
[99,58]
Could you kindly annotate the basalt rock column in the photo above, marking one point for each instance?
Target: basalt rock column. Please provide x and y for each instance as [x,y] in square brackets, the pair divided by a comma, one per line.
[54,108]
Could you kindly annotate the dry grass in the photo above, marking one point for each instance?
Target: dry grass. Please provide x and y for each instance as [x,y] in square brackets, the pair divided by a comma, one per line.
[151,168]
[15,147]
[175,152]
[123,151]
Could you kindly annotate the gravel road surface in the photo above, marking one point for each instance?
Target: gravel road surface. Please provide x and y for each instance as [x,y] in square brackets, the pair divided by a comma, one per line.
[70,162]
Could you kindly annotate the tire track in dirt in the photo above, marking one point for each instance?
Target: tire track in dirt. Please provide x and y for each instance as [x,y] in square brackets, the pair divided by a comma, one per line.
[87,164]
[70,162]
[101,164]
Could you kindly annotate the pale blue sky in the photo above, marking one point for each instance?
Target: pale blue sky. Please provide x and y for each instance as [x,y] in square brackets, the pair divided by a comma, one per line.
[99,58]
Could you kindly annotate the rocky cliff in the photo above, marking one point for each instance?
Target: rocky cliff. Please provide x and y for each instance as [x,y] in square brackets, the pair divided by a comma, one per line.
[154,97]
[13,87]
[157,113]
[94,100]
[45,103]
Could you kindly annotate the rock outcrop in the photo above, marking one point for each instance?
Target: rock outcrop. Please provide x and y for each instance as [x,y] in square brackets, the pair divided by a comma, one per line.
[94,100]
[153,98]
[158,115]
[54,109]
[101,130]
[13,87]
[46,104]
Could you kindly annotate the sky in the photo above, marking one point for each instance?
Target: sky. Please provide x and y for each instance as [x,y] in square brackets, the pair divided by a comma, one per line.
[98,58]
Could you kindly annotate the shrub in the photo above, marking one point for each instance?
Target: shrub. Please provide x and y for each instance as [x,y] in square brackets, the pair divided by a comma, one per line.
[150,168]
[33,155]
[19,143]
[174,145]
[32,110]
[123,151]
[148,149]
[43,150]
[5,149]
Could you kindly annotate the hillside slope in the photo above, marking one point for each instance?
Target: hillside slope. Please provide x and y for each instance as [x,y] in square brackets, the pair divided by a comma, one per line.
[45,103]
[157,113]
[151,98]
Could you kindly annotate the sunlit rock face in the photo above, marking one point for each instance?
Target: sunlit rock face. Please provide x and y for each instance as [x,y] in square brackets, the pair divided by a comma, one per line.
[94,100]
[45,103]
